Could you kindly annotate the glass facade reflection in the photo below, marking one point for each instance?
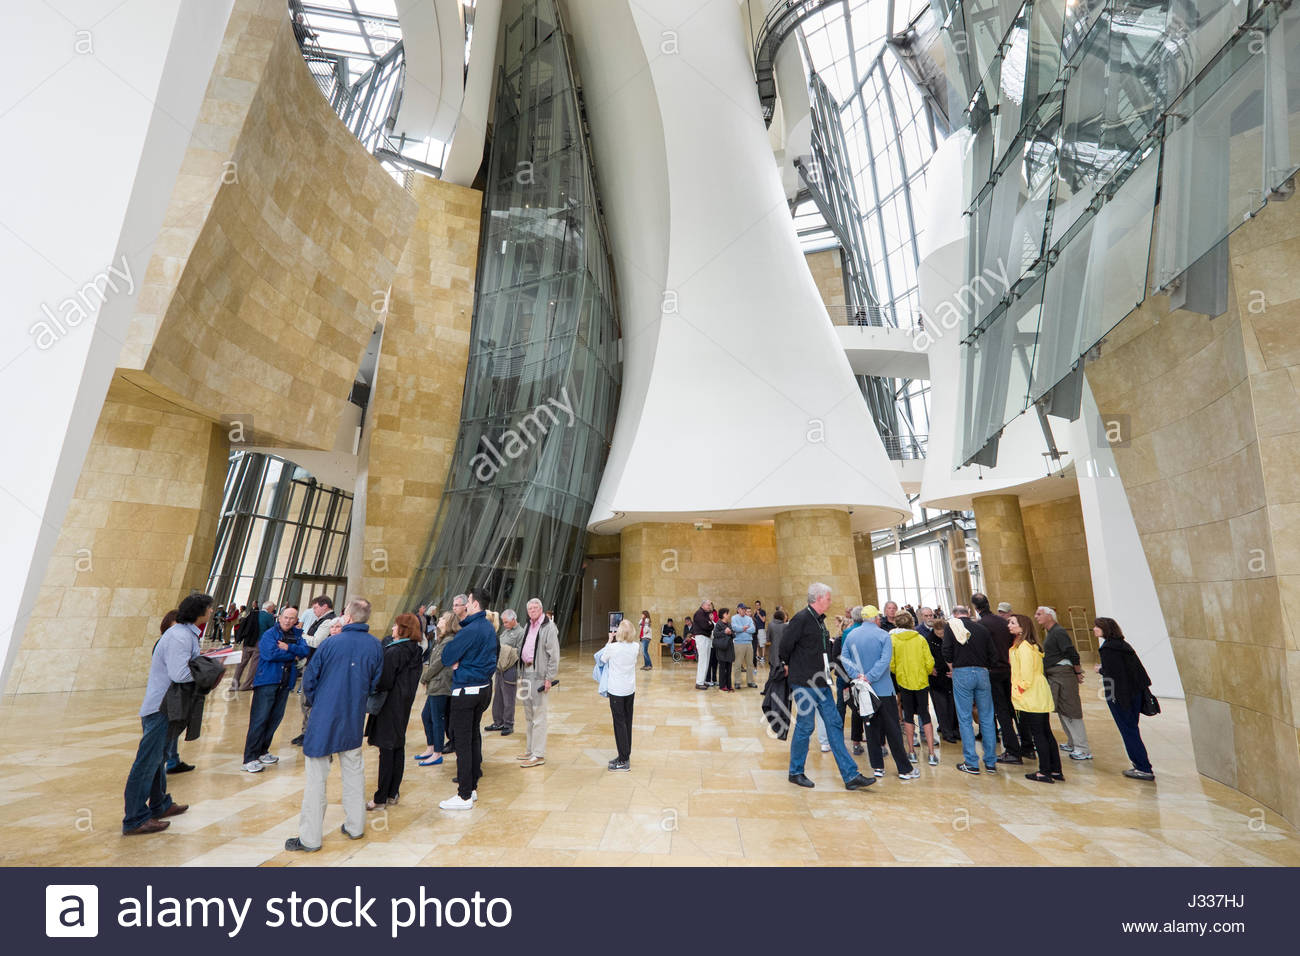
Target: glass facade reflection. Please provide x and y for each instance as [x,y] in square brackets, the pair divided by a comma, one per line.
[1081,114]
[541,392]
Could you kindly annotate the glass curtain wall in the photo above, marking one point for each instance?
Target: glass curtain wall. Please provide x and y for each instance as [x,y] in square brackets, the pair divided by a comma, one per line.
[1081,115]
[882,135]
[542,388]
[279,530]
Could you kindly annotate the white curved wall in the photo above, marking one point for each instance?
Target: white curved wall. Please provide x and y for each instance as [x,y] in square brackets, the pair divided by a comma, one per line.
[729,355]
[433,36]
[465,155]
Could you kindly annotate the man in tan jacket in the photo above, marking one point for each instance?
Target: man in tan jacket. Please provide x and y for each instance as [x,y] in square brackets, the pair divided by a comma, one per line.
[539,664]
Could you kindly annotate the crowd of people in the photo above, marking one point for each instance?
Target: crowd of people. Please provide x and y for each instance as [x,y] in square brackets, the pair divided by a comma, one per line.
[991,678]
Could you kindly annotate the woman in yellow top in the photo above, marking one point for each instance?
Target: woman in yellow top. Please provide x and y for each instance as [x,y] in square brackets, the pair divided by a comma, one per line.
[1032,696]
[912,664]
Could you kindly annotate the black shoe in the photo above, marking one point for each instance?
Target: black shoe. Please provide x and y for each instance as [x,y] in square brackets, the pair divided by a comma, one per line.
[297,741]
[857,749]
[507,731]
[966,768]
[621,765]
[751,685]
[1009,758]
[495,727]
[181,767]
[859,783]
[293,843]
[801,780]
[343,828]
[1058,776]
[1038,777]
[992,770]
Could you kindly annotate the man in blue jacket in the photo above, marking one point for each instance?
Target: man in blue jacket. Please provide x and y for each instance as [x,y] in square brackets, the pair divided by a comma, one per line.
[867,652]
[281,645]
[342,673]
[472,657]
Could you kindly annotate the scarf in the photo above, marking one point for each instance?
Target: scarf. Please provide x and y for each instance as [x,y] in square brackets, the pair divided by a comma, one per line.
[959,631]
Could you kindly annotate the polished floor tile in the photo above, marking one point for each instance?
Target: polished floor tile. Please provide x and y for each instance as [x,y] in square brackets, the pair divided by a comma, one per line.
[707,788]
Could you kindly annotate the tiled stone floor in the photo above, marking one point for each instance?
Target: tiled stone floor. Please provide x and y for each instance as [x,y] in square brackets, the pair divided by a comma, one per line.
[707,787]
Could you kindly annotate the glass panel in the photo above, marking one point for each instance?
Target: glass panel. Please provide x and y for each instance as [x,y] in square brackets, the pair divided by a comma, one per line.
[514,513]
[1099,278]
[1212,178]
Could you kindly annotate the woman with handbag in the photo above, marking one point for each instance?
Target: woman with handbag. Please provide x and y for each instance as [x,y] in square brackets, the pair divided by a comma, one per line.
[1127,692]
[386,725]
[1031,696]
[437,681]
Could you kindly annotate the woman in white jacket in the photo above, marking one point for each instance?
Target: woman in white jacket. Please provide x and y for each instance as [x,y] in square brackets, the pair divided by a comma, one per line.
[620,657]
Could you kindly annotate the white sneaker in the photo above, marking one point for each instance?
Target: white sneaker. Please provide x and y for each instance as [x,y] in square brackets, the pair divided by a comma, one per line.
[913,775]
[934,760]
[254,766]
[878,773]
[456,803]
[269,759]
[1080,755]
[826,748]
[473,797]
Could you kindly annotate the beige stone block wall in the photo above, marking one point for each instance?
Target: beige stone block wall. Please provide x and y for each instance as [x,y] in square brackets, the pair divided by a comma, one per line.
[668,569]
[138,536]
[816,544]
[1058,556]
[283,236]
[827,270]
[1004,552]
[419,386]
[1209,464]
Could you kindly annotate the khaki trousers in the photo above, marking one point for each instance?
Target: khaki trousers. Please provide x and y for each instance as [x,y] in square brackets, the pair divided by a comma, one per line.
[535,701]
[312,819]
[744,664]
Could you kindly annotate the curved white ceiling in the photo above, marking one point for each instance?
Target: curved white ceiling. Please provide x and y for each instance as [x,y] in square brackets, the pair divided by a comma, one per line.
[433,34]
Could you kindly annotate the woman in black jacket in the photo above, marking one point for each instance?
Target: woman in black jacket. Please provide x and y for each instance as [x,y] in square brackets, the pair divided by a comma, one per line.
[724,648]
[387,729]
[1126,681]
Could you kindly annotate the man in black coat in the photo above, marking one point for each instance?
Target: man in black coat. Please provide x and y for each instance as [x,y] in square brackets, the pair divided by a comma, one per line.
[805,654]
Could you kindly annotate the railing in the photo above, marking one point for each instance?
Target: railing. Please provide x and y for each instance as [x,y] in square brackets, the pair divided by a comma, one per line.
[779,23]
[905,447]
[881,316]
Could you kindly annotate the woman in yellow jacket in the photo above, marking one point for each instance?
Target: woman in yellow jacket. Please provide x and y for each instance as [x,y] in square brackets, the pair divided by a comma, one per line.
[1032,696]
[912,664]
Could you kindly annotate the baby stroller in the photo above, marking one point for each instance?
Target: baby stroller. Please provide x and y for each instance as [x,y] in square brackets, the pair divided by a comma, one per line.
[684,649]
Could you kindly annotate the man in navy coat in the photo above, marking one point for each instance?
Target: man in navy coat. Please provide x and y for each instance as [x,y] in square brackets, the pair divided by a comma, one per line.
[342,673]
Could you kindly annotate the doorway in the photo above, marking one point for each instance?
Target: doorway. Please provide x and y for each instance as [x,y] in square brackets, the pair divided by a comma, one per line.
[599,597]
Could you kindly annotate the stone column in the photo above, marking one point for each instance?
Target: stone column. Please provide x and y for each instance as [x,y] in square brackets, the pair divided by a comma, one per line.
[958,567]
[866,569]
[816,544]
[1004,552]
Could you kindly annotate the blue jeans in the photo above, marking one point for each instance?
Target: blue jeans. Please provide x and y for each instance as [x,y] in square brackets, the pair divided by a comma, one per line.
[146,794]
[264,719]
[1126,719]
[807,702]
[434,718]
[173,752]
[645,651]
[971,684]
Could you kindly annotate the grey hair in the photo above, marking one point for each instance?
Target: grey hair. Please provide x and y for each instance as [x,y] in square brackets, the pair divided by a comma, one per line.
[358,610]
[509,615]
[537,601]
[460,599]
[817,590]
[959,610]
[856,614]
[1050,611]
[923,608]
[268,606]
